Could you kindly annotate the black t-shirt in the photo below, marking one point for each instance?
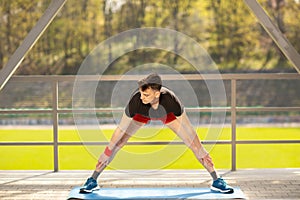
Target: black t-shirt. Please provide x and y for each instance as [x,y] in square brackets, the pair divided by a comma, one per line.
[169,107]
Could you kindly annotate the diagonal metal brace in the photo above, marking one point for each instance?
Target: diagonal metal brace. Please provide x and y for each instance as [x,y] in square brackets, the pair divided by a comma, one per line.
[30,40]
[281,41]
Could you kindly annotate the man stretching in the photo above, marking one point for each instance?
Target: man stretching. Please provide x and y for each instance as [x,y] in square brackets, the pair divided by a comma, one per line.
[153,102]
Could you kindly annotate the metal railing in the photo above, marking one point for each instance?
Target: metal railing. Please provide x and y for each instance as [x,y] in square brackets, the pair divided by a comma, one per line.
[233,108]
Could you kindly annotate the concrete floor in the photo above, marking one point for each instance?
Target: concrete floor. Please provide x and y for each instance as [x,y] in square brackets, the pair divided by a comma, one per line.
[255,183]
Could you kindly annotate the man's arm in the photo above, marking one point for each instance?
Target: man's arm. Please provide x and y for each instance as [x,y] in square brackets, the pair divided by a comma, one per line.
[127,126]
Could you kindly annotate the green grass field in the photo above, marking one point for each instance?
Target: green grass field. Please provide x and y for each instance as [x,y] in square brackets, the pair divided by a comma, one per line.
[150,157]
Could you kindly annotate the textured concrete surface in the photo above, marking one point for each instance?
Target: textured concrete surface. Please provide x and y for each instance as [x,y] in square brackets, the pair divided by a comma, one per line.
[255,183]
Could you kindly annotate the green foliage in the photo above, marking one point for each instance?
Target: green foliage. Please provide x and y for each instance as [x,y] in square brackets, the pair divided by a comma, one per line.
[226,29]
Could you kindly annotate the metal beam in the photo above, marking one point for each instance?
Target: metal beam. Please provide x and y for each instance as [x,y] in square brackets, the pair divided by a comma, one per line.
[32,37]
[281,41]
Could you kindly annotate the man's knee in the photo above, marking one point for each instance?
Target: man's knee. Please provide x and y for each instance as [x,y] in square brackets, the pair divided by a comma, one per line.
[120,144]
[122,141]
[198,150]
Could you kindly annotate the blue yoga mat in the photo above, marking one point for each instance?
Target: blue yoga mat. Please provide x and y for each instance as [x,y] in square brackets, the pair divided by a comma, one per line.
[155,193]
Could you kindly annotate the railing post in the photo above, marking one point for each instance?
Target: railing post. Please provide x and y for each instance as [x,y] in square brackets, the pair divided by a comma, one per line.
[233,124]
[55,123]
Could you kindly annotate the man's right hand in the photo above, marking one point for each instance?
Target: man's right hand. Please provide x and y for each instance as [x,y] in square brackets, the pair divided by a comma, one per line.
[102,161]
[207,162]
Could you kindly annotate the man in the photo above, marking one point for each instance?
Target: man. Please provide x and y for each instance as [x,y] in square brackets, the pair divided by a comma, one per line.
[154,102]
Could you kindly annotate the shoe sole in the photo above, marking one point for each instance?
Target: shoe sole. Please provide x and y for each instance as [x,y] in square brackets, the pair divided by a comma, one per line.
[84,191]
[229,191]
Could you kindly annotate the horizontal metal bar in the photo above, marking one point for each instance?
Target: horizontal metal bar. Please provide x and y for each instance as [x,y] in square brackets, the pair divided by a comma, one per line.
[72,78]
[26,143]
[104,143]
[207,109]
[129,143]
[90,110]
[149,143]
[188,109]
[146,143]
[266,109]
[268,141]
[245,76]
[19,111]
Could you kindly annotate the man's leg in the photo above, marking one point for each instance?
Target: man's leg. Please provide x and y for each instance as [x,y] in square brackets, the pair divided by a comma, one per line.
[121,135]
[183,128]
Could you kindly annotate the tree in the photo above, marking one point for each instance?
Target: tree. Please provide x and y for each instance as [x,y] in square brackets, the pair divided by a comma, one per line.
[225,28]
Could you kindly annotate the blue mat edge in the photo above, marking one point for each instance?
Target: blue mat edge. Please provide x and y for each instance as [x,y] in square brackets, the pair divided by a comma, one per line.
[239,195]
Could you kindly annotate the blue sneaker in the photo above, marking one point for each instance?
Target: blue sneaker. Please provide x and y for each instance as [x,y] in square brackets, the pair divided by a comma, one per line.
[220,185]
[89,186]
